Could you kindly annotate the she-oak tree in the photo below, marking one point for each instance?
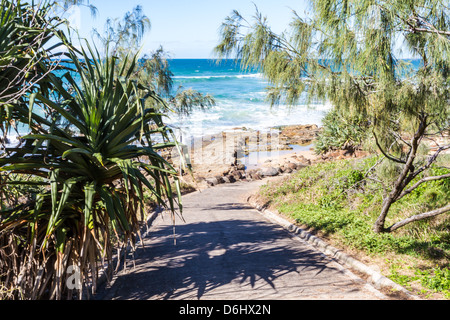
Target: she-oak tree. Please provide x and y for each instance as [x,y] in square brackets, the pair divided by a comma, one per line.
[347,53]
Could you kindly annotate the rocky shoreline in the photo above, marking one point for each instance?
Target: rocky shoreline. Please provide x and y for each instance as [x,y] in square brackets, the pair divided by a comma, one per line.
[244,154]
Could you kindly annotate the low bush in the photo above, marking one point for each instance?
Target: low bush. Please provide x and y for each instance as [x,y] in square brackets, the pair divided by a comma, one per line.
[338,201]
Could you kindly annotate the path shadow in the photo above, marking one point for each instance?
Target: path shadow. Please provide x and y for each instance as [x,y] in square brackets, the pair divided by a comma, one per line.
[230,206]
[204,256]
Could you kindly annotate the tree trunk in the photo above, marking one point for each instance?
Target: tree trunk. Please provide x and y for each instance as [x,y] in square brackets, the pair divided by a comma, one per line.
[404,178]
[378,226]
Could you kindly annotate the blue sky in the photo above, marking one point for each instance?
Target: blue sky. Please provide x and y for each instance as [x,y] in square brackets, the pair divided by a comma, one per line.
[187,28]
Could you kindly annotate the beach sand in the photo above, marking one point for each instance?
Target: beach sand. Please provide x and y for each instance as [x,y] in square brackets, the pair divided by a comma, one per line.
[246,154]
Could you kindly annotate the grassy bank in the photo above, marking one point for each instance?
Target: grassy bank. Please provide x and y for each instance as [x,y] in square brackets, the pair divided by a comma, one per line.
[337,201]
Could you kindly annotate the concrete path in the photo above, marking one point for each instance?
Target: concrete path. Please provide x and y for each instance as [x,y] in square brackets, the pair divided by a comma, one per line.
[226,250]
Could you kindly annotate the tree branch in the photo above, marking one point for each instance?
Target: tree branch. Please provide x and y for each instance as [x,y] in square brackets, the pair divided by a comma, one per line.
[399,137]
[418,217]
[384,153]
[430,161]
[418,183]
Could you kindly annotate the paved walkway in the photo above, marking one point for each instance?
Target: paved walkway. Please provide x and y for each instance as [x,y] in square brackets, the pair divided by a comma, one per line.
[226,250]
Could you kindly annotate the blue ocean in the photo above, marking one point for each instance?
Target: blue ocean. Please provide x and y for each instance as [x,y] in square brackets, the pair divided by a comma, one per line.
[239,96]
[240,99]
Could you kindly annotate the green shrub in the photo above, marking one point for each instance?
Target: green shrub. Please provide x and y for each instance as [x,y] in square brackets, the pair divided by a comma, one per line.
[341,131]
[94,178]
[337,199]
[437,280]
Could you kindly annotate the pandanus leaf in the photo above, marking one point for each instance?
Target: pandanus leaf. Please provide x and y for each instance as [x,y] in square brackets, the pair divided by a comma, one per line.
[89,192]
[95,178]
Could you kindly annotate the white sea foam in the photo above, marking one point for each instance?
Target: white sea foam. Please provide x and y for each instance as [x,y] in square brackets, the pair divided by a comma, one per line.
[255,75]
[240,99]
[227,116]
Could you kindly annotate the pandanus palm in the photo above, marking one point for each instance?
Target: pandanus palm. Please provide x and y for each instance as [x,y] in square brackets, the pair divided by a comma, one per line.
[96,169]
[24,31]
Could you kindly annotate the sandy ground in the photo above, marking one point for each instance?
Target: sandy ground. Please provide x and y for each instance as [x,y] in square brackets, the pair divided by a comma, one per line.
[245,154]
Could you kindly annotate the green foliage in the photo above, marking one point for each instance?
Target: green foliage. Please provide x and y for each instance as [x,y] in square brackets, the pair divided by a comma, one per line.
[345,52]
[437,280]
[85,170]
[23,62]
[341,131]
[397,276]
[337,200]
[17,187]
[155,72]
[124,36]
[436,192]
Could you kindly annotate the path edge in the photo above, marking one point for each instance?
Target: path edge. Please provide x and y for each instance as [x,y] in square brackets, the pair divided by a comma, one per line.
[105,270]
[375,278]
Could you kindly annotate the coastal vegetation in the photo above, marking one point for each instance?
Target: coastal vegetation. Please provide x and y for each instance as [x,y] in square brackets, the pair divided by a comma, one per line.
[91,158]
[339,201]
[76,188]
[346,52]
[124,36]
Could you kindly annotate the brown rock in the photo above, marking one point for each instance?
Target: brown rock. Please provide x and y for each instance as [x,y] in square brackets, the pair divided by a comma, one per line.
[230,178]
[219,179]
[212,181]
[288,170]
[291,166]
[255,176]
[236,175]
